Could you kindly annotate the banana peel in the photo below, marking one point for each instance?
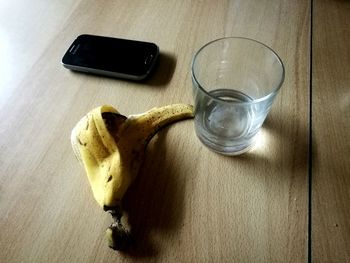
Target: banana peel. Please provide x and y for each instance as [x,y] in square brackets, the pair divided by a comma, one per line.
[111,148]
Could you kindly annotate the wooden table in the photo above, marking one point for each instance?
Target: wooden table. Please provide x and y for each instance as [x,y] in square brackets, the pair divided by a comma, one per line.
[285,201]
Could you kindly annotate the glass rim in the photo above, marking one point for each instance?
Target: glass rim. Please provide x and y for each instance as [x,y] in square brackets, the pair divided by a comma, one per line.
[260,99]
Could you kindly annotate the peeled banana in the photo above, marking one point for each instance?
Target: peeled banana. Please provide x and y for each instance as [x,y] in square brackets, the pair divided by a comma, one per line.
[111,148]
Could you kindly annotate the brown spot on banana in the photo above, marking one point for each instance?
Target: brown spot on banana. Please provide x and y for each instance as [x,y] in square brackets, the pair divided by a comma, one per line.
[109,178]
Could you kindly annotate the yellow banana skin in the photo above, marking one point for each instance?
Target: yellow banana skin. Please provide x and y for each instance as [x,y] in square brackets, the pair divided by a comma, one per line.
[111,147]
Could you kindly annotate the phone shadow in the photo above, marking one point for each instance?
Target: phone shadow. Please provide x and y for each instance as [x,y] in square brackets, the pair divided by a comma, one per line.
[163,71]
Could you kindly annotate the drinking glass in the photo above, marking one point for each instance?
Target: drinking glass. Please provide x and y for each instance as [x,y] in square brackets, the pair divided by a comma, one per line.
[235,81]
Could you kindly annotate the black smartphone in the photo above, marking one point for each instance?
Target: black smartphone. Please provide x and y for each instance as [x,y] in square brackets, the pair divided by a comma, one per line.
[114,57]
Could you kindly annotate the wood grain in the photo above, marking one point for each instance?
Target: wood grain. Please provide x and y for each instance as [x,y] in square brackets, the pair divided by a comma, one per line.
[188,203]
[331,132]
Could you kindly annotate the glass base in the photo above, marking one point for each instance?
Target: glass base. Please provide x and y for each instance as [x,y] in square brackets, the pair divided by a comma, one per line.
[227,150]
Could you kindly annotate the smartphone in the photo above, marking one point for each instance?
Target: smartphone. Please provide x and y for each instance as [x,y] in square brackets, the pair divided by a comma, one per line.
[114,57]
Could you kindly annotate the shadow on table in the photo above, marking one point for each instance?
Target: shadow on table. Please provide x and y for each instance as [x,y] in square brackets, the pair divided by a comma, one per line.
[154,202]
[279,138]
[163,71]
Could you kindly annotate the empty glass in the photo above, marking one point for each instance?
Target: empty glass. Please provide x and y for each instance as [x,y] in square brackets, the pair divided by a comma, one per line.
[235,81]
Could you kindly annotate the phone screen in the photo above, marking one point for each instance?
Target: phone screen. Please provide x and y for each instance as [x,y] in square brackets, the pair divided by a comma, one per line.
[111,55]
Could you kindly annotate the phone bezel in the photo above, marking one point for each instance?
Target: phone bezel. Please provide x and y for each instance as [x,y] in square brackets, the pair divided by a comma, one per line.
[66,60]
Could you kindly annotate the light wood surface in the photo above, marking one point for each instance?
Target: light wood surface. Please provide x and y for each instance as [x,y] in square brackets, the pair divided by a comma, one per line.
[331,132]
[188,203]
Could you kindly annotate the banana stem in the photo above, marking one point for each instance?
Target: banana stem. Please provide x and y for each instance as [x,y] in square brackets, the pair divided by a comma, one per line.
[149,123]
[117,236]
